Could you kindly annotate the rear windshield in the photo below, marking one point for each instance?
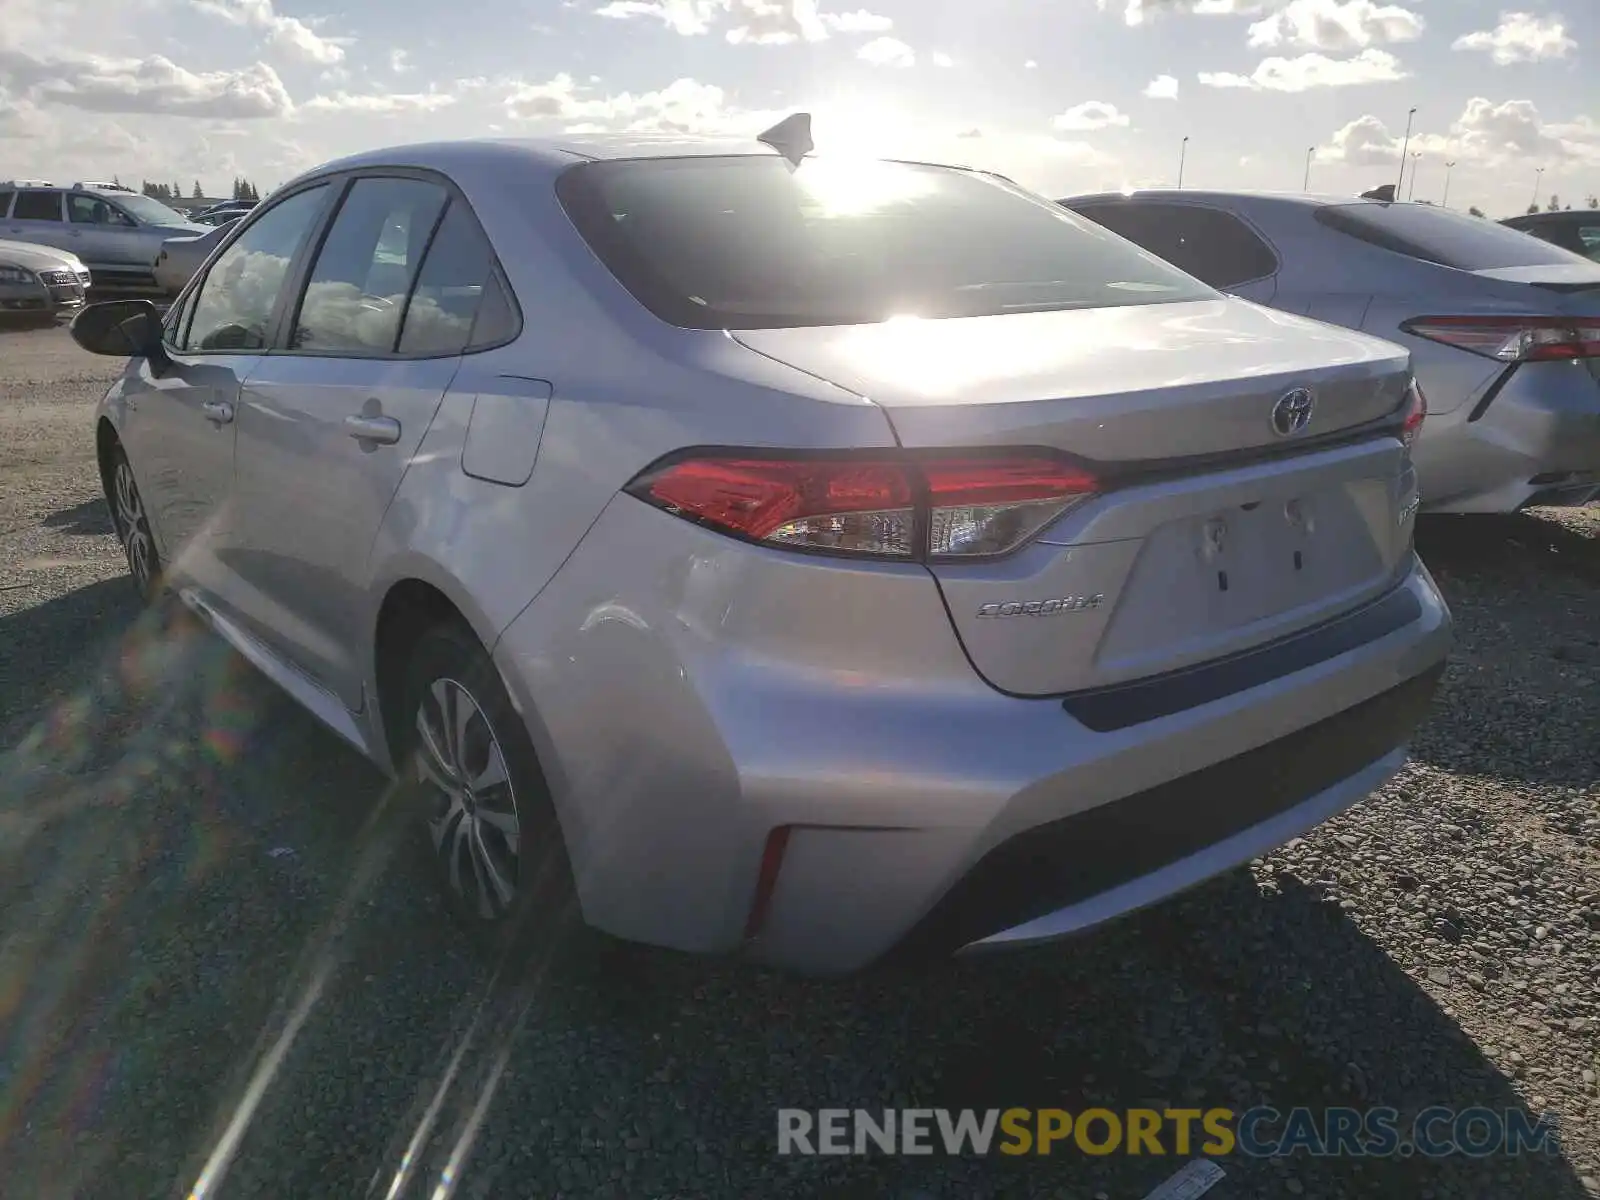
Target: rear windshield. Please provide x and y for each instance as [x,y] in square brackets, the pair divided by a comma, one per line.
[1440,236]
[749,242]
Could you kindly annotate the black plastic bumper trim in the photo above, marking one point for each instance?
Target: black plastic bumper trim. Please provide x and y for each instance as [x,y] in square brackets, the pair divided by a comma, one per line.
[1070,860]
[1121,705]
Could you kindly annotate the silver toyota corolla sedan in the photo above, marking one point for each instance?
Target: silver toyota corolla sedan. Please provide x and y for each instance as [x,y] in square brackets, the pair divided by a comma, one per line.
[1504,329]
[796,557]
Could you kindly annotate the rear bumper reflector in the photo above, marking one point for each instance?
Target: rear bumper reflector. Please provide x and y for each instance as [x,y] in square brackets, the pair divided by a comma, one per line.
[767,881]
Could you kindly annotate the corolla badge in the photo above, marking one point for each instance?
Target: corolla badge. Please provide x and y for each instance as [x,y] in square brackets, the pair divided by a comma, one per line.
[1043,608]
[1292,413]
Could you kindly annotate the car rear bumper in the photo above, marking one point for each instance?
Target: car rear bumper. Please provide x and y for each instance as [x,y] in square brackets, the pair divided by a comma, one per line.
[799,804]
[1532,437]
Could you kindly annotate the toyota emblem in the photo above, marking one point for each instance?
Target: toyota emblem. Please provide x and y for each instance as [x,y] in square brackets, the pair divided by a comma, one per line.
[1292,413]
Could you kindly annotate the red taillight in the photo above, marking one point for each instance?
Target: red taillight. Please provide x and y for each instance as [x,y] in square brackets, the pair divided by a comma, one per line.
[1416,414]
[964,506]
[1514,339]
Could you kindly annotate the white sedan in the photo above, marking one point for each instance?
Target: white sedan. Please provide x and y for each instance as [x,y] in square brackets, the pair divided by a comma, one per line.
[181,257]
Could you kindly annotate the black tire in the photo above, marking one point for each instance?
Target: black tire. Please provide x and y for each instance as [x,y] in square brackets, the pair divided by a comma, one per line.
[131,520]
[463,827]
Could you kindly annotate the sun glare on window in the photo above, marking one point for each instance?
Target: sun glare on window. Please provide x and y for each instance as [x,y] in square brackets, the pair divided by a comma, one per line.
[846,187]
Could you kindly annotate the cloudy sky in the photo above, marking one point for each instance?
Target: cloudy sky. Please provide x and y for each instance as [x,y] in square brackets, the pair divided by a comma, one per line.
[1063,95]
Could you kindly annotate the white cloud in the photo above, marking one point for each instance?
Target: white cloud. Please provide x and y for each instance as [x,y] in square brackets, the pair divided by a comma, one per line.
[1521,37]
[1162,87]
[1364,142]
[399,61]
[753,22]
[380,102]
[145,85]
[776,22]
[887,52]
[859,21]
[941,59]
[688,17]
[1514,130]
[683,106]
[1090,115]
[1486,134]
[1030,65]
[1338,25]
[289,34]
[968,134]
[1136,12]
[1312,71]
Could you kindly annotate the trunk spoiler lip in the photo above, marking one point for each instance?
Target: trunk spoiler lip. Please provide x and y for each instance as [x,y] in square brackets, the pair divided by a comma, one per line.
[1580,275]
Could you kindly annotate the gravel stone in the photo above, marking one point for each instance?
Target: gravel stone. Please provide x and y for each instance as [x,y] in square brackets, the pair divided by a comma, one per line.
[155,952]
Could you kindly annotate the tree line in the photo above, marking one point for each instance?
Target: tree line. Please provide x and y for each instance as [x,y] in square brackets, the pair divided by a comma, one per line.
[1555,205]
[243,189]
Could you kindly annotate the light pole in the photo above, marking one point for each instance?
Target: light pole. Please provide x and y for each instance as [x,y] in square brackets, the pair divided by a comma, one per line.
[1538,182]
[1416,158]
[1448,167]
[1310,154]
[1183,155]
[1404,149]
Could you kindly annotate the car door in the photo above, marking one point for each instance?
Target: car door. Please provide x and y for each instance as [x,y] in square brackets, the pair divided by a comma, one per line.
[99,232]
[36,216]
[178,423]
[1214,246]
[328,427]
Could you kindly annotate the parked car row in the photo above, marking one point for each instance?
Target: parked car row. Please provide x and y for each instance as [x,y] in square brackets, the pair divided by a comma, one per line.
[114,232]
[1577,231]
[1503,329]
[772,556]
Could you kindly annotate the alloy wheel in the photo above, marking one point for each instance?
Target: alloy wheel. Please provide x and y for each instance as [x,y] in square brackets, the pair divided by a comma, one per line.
[472,813]
[134,526]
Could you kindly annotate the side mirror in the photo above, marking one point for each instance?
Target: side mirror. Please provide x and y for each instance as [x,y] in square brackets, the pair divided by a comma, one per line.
[120,329]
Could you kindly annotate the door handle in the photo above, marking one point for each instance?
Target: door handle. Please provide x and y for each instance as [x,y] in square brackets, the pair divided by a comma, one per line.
[385,431]
[219,412]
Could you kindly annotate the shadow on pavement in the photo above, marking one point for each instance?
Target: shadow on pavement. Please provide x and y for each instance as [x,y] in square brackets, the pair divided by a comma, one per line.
[1509,546]
[1516,707]
[217,956]
[90,517]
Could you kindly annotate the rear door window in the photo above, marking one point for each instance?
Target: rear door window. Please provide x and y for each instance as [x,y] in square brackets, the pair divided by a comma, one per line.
[749,242]
[450,287]
[356,293]
[5,202]
[1213,246]
[1437,235]
[37,206]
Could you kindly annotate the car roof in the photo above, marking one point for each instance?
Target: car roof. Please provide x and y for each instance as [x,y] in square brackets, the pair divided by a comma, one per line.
[550,153]
[547,155]
[1550,218]
[1306,199]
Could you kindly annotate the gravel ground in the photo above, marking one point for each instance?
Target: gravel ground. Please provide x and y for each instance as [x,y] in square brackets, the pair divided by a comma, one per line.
[215,963]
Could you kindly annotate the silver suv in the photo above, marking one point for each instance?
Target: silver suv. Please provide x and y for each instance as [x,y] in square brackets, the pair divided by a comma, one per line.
[795,558]
[116,233]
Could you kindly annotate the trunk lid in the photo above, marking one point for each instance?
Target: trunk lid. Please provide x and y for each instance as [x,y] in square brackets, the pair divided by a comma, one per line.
[1116,385]
[1204,542]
